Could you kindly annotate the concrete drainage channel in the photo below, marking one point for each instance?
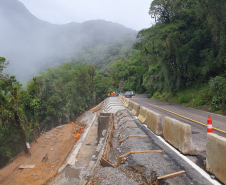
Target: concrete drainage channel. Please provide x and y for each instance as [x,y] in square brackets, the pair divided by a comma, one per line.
[132,154]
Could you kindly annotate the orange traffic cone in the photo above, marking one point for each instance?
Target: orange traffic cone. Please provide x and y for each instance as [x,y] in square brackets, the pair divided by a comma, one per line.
[209,125]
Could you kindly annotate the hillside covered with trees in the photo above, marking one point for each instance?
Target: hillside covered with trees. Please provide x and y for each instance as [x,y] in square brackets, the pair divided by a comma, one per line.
[32,45]
[182,58]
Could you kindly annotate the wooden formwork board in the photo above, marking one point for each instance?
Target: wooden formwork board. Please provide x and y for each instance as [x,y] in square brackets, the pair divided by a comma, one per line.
[122,113]
[108,145]
[168,176]
[125,129]
[107,152]
[105,163]
[125,122]
[129,137]
[121,118]
[134,152]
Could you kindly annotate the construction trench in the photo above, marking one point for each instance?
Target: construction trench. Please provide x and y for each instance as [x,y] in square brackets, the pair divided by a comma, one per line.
[125,151]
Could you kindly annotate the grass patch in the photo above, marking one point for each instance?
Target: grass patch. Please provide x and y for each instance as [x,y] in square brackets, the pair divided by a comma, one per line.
[198,97]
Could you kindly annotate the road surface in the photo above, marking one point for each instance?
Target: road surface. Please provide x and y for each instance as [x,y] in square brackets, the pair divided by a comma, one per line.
[183,114]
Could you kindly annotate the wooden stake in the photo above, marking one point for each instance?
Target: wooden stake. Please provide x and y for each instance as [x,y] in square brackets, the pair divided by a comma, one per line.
[134,152]
[129,137]
[125,129]
[105,163]
[122,113]
[168,176]
[121,118]
[125,122]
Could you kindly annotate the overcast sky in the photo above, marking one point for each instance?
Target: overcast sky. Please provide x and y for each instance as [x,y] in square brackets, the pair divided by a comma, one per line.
[130,13]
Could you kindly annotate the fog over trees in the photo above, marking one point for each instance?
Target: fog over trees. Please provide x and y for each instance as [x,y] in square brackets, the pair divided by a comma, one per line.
[31,45]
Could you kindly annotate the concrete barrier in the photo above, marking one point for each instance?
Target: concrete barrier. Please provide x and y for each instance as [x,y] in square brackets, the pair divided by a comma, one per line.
[142,117]
[215,156]
[130,107]
[136,109]
[123,100]
[153,122]
[179,135]
[127,103]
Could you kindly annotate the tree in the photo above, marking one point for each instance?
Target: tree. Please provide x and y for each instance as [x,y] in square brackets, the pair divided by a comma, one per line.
[10,109]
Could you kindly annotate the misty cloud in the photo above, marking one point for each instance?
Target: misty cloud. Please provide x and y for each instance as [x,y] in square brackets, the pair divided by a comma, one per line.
[32,45]
[130,13]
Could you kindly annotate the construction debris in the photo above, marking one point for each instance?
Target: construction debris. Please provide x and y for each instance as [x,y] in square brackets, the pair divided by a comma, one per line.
[45,158]
[26,166]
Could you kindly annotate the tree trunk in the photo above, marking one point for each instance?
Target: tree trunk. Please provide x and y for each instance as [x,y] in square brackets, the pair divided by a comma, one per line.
[68,114]
[34,137]
[39,133]
[22,132]
[52,123]
[94,94]
[90,99]
[28,124]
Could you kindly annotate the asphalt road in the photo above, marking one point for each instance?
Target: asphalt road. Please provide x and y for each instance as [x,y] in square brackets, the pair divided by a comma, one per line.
[199,131]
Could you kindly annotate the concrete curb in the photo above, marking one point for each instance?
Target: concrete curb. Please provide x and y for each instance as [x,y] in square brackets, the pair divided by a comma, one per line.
[72,159]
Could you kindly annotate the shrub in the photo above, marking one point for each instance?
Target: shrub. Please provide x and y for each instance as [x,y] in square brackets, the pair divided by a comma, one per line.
[157,95]
[215,103]
[183,98]
[217,86]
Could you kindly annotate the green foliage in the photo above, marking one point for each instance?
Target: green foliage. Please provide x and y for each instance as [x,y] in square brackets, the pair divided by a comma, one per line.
[55,97]
[217,84]
[183,98]
[157,95]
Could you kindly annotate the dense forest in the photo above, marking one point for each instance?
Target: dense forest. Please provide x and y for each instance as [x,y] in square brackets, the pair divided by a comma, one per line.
[185,49]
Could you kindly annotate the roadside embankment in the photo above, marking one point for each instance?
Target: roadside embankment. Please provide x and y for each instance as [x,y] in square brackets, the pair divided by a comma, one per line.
[47,156]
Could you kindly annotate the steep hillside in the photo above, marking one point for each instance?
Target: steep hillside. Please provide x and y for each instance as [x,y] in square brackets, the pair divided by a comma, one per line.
[31,44]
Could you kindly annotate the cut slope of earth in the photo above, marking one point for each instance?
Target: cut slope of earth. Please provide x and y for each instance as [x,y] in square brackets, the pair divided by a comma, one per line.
[57,144]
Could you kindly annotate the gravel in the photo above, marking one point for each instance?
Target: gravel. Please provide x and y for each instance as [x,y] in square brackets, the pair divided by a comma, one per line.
[139,167]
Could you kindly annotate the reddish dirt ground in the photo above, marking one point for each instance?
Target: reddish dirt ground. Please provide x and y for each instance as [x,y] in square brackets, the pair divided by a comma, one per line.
[56,143]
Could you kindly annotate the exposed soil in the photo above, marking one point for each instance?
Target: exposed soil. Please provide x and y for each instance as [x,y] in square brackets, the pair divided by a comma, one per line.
[56,143]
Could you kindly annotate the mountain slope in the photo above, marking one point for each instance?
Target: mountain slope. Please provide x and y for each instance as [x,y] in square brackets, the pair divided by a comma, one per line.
[31,44]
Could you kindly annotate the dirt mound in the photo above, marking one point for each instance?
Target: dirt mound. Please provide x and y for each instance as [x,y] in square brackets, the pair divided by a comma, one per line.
[56,144]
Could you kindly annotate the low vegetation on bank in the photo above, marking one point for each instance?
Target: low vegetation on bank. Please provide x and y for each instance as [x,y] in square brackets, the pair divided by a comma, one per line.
[209,97]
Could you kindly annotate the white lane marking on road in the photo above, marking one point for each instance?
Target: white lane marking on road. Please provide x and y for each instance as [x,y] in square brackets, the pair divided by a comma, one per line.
[200,170]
